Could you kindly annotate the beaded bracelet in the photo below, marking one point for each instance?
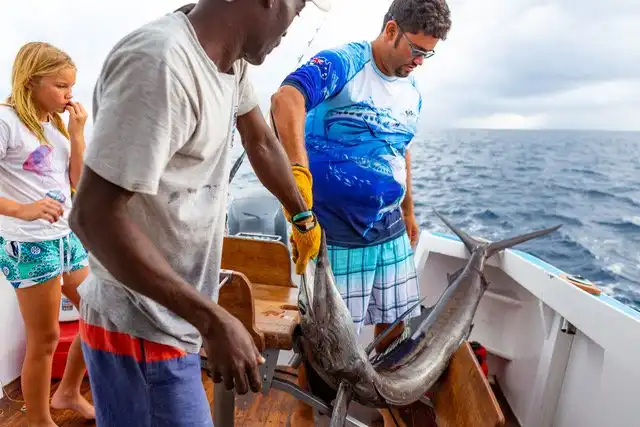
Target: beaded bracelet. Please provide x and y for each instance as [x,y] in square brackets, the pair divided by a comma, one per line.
[304,227]
[301,216]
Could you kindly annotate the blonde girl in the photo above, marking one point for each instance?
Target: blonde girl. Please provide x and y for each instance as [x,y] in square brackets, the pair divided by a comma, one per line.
[40,161]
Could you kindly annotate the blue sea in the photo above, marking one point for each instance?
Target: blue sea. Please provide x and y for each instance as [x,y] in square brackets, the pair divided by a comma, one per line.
[496,183]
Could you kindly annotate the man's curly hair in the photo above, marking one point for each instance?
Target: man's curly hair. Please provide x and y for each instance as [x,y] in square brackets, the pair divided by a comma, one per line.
[429,17]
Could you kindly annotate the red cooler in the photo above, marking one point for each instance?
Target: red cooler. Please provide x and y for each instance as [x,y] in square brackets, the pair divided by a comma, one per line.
[69,327]
[68,331]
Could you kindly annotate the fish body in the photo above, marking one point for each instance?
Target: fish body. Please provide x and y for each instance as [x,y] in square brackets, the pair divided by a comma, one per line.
[401,376]
[366,120]
[328,338]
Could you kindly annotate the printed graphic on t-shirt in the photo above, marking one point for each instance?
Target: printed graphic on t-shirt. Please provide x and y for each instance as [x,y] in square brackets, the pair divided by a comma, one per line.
[322,65]
[39,161]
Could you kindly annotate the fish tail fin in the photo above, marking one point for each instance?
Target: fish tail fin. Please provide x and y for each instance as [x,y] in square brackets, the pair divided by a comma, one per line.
[343,398]
[501,245]
[469,242]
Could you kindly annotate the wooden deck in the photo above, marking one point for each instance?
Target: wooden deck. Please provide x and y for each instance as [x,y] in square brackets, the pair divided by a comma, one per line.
[12,416]
[271,411]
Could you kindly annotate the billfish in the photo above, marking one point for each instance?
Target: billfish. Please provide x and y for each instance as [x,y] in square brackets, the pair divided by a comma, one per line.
[328,342]
[366,120]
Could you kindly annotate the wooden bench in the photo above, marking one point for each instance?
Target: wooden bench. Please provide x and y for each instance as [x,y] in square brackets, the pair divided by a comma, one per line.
[260,293]
[464,397]
[257,289]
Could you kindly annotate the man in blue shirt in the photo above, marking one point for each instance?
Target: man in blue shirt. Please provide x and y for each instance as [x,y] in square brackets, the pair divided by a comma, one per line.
[346,119]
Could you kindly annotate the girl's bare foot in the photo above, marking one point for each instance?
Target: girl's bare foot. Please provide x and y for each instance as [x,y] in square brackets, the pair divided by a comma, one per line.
[75,402]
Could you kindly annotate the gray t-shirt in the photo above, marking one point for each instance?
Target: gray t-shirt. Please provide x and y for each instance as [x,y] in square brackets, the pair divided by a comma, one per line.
[164,120]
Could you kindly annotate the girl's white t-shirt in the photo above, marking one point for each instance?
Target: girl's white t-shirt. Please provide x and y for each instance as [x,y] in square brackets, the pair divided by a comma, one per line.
[31,171]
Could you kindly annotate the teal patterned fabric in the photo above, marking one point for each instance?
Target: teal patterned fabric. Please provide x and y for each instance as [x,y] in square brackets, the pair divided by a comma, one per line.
[27,264]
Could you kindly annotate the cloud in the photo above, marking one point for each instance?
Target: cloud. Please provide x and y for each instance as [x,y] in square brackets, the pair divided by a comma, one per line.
[505,64]
[557,64]
[505,121]
[87,31]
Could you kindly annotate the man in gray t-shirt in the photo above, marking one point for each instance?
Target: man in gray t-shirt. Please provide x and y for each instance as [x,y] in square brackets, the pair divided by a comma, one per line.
[151,208]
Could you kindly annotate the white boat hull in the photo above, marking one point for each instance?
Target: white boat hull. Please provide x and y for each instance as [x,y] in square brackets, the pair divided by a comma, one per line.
[549,377]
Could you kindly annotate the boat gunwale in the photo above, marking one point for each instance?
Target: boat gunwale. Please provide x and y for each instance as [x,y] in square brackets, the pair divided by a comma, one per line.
[609,324]
[549,268]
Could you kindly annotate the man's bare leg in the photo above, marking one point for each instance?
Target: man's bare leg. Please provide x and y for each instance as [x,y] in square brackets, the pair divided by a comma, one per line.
[380,348]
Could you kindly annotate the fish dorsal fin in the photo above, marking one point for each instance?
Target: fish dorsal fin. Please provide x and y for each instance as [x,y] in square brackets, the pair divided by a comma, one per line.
[380,359]
[451,277]
[377,340]
[469,242]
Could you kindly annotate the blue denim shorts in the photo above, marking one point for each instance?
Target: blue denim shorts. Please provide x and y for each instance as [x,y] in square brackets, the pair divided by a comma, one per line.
[138,383]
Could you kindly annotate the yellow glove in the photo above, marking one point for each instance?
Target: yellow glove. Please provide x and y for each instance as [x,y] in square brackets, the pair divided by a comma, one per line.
[304,244]
[304,181]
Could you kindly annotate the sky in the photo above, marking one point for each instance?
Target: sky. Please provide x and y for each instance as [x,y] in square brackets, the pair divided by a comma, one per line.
[516,64]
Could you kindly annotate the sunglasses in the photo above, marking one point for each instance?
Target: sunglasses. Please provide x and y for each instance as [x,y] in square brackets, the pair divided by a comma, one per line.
[416,51]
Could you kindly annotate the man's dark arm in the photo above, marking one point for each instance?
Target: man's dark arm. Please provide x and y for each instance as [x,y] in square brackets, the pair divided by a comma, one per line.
[269,160]
[99,217]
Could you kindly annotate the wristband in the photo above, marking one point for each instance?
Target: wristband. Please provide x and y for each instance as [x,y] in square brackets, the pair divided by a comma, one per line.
[301,216]
[304,227]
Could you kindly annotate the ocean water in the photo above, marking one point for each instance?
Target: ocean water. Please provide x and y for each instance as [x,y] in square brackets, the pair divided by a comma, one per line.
[496,183]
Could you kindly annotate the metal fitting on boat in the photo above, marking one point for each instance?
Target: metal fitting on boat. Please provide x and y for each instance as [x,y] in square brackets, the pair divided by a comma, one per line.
[567,327]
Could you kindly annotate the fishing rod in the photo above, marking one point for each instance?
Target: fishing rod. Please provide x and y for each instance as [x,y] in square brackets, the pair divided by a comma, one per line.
[240,160]
[236,166]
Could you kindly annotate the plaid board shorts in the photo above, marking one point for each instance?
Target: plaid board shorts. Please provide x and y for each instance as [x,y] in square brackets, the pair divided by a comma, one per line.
[26,264]
[378,283]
